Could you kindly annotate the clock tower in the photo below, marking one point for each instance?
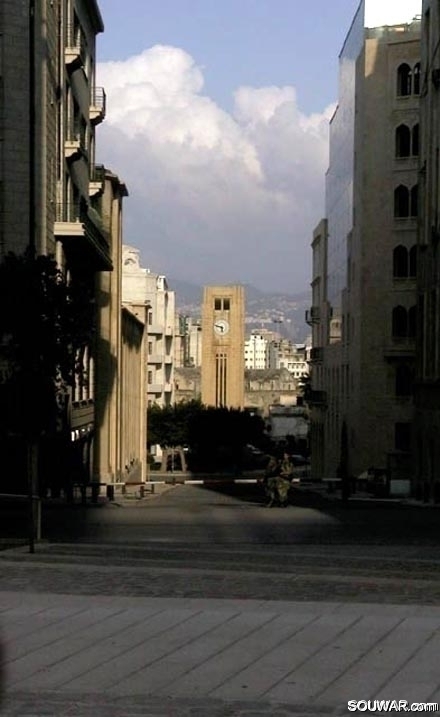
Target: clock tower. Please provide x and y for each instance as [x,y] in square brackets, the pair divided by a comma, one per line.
[223,346]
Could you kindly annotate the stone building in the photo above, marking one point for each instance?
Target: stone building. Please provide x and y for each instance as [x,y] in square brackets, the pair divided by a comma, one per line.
[120,401]
[427,393]
[269,387]
[50,185]
[363,363]
[141,287]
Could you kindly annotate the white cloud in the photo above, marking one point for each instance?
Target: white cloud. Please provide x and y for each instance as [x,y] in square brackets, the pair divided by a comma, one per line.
[214,197]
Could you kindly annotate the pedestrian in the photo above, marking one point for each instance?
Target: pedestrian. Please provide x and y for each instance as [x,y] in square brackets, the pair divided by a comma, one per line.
[271,473]
[284,480]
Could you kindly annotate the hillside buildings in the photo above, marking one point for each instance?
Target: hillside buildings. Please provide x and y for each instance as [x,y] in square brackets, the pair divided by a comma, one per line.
[363,315]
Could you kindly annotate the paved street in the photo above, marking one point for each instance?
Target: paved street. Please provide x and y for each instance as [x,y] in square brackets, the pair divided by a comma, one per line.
[200,602]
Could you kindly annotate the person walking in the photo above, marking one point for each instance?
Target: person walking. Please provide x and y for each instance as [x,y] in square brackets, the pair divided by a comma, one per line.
[284,480]
[271,473]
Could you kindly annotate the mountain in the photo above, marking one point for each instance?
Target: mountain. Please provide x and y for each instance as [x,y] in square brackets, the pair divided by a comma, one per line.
[282,313]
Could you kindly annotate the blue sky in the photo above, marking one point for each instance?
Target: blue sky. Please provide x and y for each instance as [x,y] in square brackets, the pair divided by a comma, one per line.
[218,122]
[239,42]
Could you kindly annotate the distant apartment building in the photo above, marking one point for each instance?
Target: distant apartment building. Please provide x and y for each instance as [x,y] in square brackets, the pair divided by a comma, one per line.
[282,353]
[50,186]
[188,350]
[142,288]
[365,257]
[427,393]
[256,351]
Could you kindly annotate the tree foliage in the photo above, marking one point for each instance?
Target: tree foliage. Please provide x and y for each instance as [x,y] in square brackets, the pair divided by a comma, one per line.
[216,437]
[43,322]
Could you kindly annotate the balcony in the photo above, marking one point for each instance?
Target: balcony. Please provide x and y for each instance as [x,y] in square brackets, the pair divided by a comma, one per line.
[82,414]
[155,329]
[96,183]
[316,354]
[317,398]
[155,359]
[75,50]
[97,105]
[75,144]
[81,231]
[155,388]
[400,348]
[313,315]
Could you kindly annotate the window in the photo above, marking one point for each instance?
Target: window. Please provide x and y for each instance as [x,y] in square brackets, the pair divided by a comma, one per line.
[415,201]
[404,380]
[222,304]
[403,141]
[401,201]
[413,261]
[417,78]
[415,140]
[150,377]
[400,262]
[399,322]
[150,318]
[404,80]
[402,436]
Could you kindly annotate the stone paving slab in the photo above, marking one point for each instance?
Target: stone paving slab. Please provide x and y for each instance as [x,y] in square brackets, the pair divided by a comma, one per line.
[126,657]
[54,705]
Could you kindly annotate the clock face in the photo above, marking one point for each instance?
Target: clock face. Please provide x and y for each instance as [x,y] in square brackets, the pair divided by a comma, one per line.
[221,327]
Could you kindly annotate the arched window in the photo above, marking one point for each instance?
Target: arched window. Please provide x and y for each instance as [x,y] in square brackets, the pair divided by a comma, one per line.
[413,261]
[404,80]
[415,201]
[401,201]
[417,78]
[412,318]
[415,141]
[399,322]
[400,262]
[403,141]
[404,380]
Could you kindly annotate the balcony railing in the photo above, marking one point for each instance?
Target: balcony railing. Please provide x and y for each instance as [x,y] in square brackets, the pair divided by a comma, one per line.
[81,227]
[75,50]
[98,103]
[96,183]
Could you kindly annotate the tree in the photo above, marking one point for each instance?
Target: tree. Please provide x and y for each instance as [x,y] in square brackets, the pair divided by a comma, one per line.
[44,322]
[216,437]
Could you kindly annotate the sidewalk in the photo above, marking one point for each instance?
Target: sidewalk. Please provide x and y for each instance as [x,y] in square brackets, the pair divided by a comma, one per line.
[116,656]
